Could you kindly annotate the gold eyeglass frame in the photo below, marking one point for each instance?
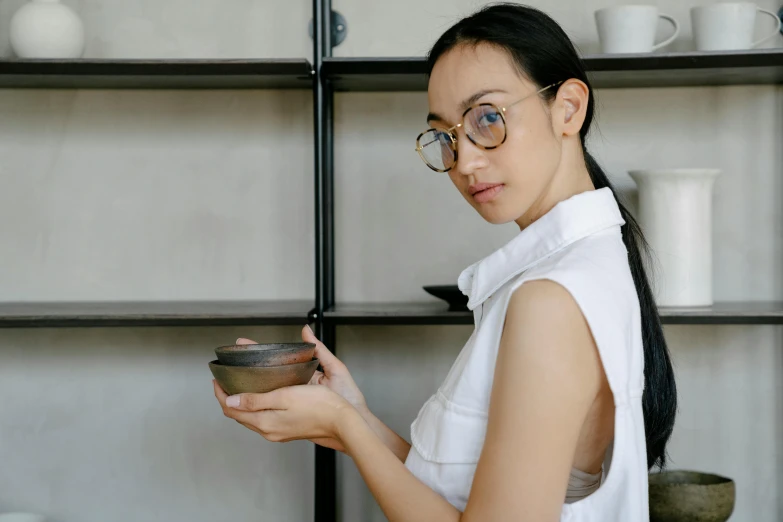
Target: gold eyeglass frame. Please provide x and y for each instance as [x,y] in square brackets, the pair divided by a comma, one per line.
[453,138]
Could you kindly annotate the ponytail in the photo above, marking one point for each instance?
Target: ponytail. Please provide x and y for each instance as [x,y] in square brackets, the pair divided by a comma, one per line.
[659,401]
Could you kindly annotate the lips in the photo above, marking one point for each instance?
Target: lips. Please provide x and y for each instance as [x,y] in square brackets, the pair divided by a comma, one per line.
[484,192]
[478,187]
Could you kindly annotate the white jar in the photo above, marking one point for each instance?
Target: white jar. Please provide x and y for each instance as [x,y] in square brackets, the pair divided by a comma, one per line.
[675,213]
[46,29]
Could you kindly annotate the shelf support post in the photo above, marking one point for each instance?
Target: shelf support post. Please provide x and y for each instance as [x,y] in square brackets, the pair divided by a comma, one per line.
[325,459]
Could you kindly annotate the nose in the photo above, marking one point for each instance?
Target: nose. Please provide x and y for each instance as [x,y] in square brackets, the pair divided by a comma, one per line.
[470,157]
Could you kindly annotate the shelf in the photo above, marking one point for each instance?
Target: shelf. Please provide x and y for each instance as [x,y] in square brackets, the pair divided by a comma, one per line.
[156,74]
[216,313]
[739,312]
[436,313]
[756,67]
[395,313]
[153,313]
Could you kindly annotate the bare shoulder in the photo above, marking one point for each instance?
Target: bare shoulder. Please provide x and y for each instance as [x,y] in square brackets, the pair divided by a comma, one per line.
[545,294]
[543,302]
[547,376]
[545,325]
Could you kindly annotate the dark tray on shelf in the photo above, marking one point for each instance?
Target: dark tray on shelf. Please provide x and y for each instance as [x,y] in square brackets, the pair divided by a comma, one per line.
[458,302]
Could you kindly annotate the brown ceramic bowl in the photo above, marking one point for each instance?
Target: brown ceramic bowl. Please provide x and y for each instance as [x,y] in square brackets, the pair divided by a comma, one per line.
[272,354]
[690,496]
[261,379]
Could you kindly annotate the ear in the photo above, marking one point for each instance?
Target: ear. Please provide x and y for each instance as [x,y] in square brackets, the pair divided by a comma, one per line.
[570,107]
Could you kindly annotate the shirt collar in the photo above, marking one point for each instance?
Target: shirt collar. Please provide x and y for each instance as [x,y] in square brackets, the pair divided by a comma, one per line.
[567,222]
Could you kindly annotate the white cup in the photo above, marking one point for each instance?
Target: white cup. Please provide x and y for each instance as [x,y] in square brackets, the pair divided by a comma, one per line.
[723,27]
[631,28]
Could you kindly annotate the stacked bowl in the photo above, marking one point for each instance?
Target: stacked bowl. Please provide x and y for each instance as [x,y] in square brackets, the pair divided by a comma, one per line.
[261,368]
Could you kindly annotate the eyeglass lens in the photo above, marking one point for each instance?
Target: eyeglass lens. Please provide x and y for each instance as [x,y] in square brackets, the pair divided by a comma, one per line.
[483,125]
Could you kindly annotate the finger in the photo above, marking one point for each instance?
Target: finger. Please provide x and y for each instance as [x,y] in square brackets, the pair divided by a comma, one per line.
[322,353]
[316,378]
[242,340]
[254,418]
[221,397]
[219,393]
[273,400]
[251,428]
[245,418]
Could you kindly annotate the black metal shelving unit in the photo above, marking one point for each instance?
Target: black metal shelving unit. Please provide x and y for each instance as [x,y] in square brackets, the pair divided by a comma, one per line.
[323,124]
[325,76]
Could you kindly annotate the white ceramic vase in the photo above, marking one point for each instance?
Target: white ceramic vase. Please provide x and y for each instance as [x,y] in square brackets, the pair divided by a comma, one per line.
[46,29]
[675,213]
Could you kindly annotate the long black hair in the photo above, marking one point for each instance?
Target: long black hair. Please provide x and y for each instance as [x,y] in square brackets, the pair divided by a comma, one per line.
[543,53]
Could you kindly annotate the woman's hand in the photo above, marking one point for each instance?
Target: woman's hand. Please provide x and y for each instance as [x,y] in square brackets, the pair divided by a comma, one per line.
[293,413]
[335,377]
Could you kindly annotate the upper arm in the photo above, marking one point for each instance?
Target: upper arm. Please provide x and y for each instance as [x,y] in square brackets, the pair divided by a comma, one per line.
[547,375]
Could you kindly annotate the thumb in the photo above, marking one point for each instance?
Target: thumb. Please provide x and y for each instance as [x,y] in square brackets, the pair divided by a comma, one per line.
[242,340]
[317,378]
[322,353]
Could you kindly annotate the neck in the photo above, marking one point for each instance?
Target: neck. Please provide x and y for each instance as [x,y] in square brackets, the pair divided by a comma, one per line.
[570,178]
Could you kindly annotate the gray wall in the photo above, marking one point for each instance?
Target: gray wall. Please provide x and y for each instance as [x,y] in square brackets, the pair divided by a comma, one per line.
[207,195]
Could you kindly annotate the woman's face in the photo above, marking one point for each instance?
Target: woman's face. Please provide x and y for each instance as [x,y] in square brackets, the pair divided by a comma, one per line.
[502,184]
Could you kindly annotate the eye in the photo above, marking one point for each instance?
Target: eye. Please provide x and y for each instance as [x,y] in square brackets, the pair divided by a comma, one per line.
[489,118]
[435,136]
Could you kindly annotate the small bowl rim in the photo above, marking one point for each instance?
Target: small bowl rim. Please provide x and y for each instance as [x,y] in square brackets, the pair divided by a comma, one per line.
[722,480]
[261,347]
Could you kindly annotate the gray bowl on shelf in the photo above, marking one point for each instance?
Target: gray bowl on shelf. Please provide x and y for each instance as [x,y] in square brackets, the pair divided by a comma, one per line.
[690,496]
[268,354]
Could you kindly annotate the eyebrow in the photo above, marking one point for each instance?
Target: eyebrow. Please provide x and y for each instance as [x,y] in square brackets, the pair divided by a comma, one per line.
[467,102]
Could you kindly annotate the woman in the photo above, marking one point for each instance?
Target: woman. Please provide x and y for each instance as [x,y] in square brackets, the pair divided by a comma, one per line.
[563,397]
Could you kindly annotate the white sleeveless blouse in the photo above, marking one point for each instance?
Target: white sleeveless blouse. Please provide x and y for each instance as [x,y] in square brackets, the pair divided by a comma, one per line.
[577,244]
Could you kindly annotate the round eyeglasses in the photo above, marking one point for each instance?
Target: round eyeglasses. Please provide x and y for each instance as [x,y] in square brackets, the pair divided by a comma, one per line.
[484,125]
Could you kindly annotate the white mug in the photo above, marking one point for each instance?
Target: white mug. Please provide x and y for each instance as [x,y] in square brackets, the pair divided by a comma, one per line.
[631,28]
[723,27]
